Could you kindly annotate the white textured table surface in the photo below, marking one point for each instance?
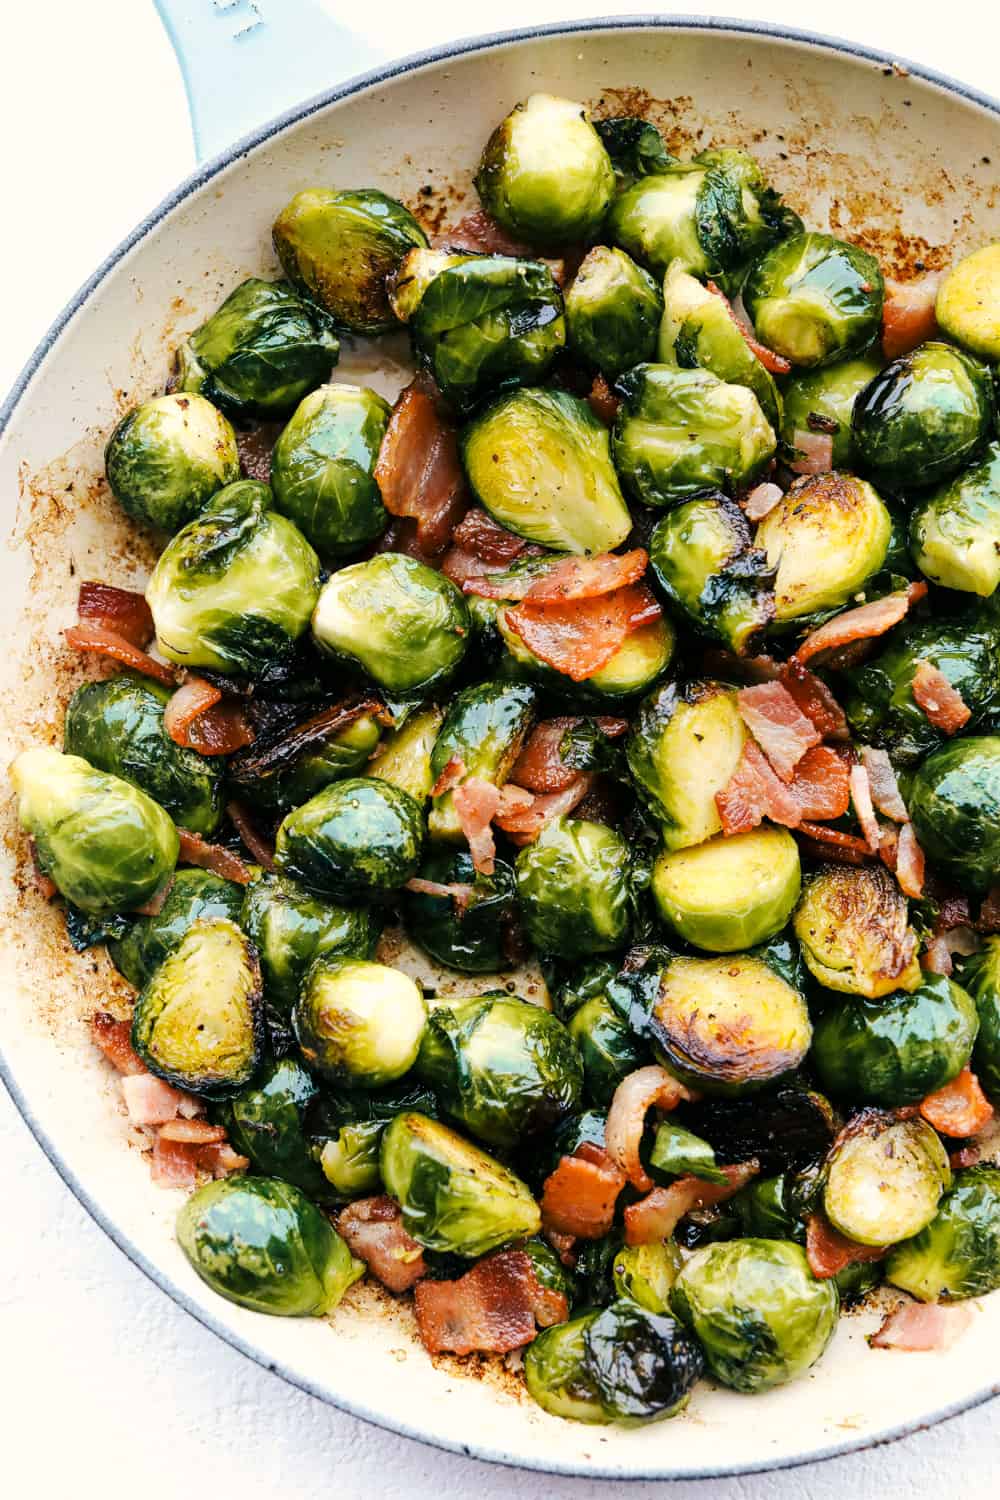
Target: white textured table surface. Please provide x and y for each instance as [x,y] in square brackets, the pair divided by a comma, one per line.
[105,1386]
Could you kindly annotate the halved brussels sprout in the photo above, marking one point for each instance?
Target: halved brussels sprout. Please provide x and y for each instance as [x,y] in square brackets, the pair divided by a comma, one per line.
[291,927]
[359,1023]
[573,885]
[608,1047]
[194,895]
[259,1242]
[968,302]
[168,457]
[980,978]
[260,352]
[540,462]
[340,249]
[758,1312]
[484,728]
[290,761]
[613,310]
[635,147]
[266,1122]
[728,894]
[235,589]
[345,1132]
[815,299]
[646,1273]
[323,468]
[782,1126]
[884,1178]
[826,538]
[117,725]
[544,174]
[416,272]
[955,531]
[106,845]
[682,432]
[958,1253]
[639,662]
[403,757]
[404,625]
[469,930]
[677,1152]
[556,1374]
[897,1049]
[454,1197]
[823,401]
[644,1365]
[853,931]
[954,801]
[357,839]
[704,559]
[923,416]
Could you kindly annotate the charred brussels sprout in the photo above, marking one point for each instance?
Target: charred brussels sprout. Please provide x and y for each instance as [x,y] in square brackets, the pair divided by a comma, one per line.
[852,927]
[454,1197]
[729,894]
[958,1253]
[290,762]
[758,1312]
[359,1023]
[955,531]
[635,147]
[403,757]
[883,1178]
[954,802]
[194,896]
[556,1373]
[167,458]
[613,311]
[815,299]
[235,589]
[704,559]
[117,725]
[395,619]
[323,468]
[608,1048]
[291,927]
[573,885]
[783,1126]
[544,174]
[484,728]
[266,1122]
[968,302]
[105,844]
[341,248]
[260,352]
[646,1273]
[259,1242]
[468,928]
[643,1364]
[923,416]
[980,978]
[682,432]
[822,401]
[358,839]
[539,461]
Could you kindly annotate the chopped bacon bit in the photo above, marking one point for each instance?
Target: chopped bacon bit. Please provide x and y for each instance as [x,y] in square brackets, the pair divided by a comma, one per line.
[450,777]
[603,402]
[779,726]
[579,1197]
[937,959]
[908,314]
[193,1132]
[587,577]
[754,792]
[401,535]
[460,895]
[943,704]
[563,1245]
[821,785]
[193,698]
[478,533]
[260,847]
[580,637]
[115,1040]
[835,842]
[958,1109]
[151,1101]
[523,820]
[861,796]
[815,700]
[476,804]
[199,718]
[175,1163]
[921,1326]
[195,850]
[761,501]
[656,1216]
[103,642]
[776,364]
[418,469]
[863,623]
[122,611]
[633,1098]
[540,767]
[813,452]
[220,1159]
[828,1251]
[461,566]
[478,232]
[909,862]
[373,1228]
[493,1308]
[883,785]
[966,1157]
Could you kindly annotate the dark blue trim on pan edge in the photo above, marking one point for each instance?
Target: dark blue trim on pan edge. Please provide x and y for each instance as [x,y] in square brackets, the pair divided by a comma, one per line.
[197,180]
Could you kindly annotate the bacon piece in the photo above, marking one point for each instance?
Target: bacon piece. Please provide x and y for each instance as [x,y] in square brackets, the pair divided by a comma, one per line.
[968,1156]
[777,364]
[175,1163]
[587,577]
[656,1216]
[861,796]
[478,232]
[191,699]
[193,1132]
[863,623]
[493,1308]
[603,402]
[779,726]
[828,1251]
[122,611]
[477,532]
[503,589]
[754,792]
[540,767]
[151,1101]
[813,452]
[220,1159]
[450,777]
[943,704]
[908,317]
[260,847]
[115,1040]
[821,785]
[199,718]
[921,1326]
[580,637]
[937,959]
[103,642]
[909,862]
[461,566]
[476,804]
[402,535]
[195,850]
[843,848]
[579,1197]
[884,787]
[634,1097]
[523,821]
[960,1108]
[563,1245]
[815,700]
[373,1228]
[761,501]
[418,469]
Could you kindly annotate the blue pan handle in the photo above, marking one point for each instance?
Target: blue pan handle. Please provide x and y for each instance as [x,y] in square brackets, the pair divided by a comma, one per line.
[245,61]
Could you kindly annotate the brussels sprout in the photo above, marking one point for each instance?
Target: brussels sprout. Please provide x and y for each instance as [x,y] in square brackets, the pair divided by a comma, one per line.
[729,893]
[639,662]
[781,1126]
[815,299]
[194,895]
[259,1242]
[608,1048]
[345,1133]
[968,302]
[235,589]
[396,620]
[105,844]
[359,1023]
[544,175]
[266,1122]
[884,1178]
[823,401]
[357,839]
[923,416]
[767,1209]
[613,310]
[852,927]
[758,1312]
[958,1253]
[704,559]
[556,1374]
[484,728]
[260,352]
[635,147]
[898,1048]
[643,1364]
[954,801]
[168,457]
[539,461]
[117,725]
[573,885]
[340,249]
[322,468]
[471,930]
[454,1197]
[290,762]
[403,758]
[683,747]
[677,1152]
[291,927]
[646,1273]
[980,978]
[955,531]
[826,538]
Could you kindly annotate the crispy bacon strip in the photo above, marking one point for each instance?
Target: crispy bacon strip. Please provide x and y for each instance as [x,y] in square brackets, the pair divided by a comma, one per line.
[103,642]
[828,1251]
[813,452]
[587,577]
[885,793]
[863,623]
[815,700]
[373,1228]
[777,364]
[656,1216]
[260,847]
[861,796]
[779,726]
[115,1040]
[150,1101]
[122,611]
[220,1159]
[634,1097]
[960,1108]
[418,469]
[524,820]
[580,637]
[579,1197]
[540,767]
[761,501]
[478,533]
[821,786]
[845,848]
[909,862]
[937,958]
[175,1163]
[908,317]
[494,1307]
[199,718]
[943,704]
[450,777]
[194,697]
[603,402]
[754,792]
[460,895]
[476,805]
[196,851]
[193,1132]
[919,1327]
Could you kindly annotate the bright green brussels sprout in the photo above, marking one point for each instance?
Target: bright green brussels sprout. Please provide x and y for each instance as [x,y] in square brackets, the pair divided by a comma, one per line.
[484,728]
[815,299]
[260,352]
[644,1365]
[635,147]
[357,839]
[608,1048]
[923,416]
[340,249]
[359,1023]
[403,757]
[955,531]
[168,457]
[758,1312]
[826,538]
[728,894]
[454,1197]
[393,618]
[704,559]
[884,1177]
[646,1273]
[958,1253]
[345,1132]
[852,927]
[980,977]
[117,725]
[954,801]
[266,1122]
[897,1049]
[194,895]
[677,1152]
[502,1067]
[556,1374]
[573,885]
[682,432]
[291,927]
[235,589]
[640,660]
[822,401]
[290,762]
[198,1021]
[549,1269]
[469,929]
[968,302]
[544,174]
[105,844]
[613,310]
[539,460]
[259,1242]
[323,468]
